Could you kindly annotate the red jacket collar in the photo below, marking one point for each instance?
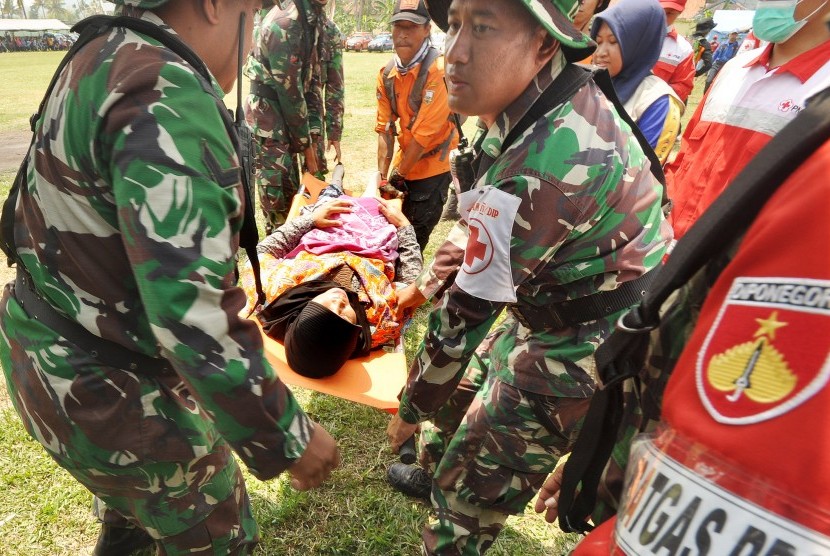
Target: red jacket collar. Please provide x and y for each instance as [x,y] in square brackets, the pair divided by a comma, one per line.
[803,66]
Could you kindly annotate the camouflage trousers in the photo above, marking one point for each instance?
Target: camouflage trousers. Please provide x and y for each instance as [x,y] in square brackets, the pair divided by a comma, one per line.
[141,445]
[277,179]
[320,150]
[489,454]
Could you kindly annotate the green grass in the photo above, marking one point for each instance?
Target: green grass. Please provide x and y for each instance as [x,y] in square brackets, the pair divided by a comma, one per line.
[25,78]
[44,512]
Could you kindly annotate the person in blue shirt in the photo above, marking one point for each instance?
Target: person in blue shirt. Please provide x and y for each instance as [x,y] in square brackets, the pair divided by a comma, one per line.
[725,52]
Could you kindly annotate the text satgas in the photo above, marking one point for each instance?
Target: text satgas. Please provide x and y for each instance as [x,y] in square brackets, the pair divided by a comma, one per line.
[668,511]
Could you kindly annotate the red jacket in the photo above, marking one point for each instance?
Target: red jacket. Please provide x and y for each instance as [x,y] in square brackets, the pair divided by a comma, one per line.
[676,65]
[741,464]
[745,107]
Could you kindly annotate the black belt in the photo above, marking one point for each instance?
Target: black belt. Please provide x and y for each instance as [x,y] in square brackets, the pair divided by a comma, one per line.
[108,353]
[583,309]
[262,90]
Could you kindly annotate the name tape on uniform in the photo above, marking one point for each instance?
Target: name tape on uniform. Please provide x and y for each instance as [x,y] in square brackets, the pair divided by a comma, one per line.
[669,509]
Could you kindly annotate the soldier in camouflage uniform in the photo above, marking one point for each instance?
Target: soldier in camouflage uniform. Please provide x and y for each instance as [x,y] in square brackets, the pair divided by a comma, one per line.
[326,112]
[284,68]
[568,212]
[127,228]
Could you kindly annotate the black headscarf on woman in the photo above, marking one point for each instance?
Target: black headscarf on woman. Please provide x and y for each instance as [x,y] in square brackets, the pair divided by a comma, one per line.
[316,345]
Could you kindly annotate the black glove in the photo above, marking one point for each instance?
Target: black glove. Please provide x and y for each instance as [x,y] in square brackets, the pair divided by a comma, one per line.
[397,181]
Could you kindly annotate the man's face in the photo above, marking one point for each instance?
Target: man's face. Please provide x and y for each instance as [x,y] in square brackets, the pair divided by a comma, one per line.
[490,57]
[408,38]
[733,37]
[671,15]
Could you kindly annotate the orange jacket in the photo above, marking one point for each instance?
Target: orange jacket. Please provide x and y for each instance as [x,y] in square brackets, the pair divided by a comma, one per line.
[432,129]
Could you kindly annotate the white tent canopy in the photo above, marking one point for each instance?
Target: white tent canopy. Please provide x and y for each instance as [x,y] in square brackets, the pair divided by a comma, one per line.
[727,21]
[32,25]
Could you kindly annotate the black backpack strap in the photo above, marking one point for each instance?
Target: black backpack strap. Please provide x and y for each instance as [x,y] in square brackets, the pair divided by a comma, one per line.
[389,87]
[622,355]
[416,96]
[96,26]
[603,80]
[567,83]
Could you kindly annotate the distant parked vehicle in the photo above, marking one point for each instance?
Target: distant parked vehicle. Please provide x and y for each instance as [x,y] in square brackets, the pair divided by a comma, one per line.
[381,43]
[358,41]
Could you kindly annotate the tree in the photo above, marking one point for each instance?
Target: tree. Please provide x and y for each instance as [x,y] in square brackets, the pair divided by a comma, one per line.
[56,10]
[38,9]
[363,15]
[9,9]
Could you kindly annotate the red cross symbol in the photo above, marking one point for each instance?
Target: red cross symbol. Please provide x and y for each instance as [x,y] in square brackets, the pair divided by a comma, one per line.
[475,248]
[785,105]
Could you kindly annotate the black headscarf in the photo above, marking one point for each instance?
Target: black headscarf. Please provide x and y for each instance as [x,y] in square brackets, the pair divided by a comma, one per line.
[317,341]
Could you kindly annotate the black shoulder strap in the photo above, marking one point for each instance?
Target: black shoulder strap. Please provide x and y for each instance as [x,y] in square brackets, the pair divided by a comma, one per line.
[416,95]
[389,87]
[91,28]
[96,26]
[622,355]
[603,80]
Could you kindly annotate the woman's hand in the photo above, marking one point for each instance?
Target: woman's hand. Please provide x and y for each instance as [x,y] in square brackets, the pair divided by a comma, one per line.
[324,214]
[393,213]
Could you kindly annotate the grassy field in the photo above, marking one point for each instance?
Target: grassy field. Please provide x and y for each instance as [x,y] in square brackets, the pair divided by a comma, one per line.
[44,512]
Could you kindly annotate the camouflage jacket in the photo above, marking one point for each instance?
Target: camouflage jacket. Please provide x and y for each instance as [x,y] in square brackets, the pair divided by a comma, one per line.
[329,109]
[279,61]
[568,210]
[130,225]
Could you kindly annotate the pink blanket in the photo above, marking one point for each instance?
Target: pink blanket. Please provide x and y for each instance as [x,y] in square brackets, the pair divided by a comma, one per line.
[364,232]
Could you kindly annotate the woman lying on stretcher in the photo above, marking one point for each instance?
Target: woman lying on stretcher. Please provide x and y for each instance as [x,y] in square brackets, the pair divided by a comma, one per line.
[329,277]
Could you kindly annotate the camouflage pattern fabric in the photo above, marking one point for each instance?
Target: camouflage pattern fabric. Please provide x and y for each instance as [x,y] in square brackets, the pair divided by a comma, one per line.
[129,226]
[475,490]
[283,127]
[277,180]
[326,117]
[581,162]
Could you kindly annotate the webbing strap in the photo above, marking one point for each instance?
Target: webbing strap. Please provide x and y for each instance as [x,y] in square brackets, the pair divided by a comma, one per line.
[623,354]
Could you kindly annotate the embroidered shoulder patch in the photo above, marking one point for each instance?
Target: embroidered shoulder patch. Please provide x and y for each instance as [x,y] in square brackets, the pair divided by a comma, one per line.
[755,363]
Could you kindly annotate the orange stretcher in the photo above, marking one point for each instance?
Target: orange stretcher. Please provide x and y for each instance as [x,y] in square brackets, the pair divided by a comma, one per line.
[374,380]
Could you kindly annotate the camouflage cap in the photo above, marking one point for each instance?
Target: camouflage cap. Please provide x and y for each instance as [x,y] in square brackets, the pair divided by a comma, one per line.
[143,4]
[555,15]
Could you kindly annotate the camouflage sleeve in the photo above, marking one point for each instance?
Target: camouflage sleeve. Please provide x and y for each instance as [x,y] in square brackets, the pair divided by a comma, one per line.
[286,237]
[335,85]
[410,262]
[314,102]
[175,184]
[460,323]
[284,49]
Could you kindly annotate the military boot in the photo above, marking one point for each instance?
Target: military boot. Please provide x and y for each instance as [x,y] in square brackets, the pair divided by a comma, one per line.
[120,541]
[412,480]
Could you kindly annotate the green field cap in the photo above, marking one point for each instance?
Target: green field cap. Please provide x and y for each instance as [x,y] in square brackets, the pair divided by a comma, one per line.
[143,4]
[555,15]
